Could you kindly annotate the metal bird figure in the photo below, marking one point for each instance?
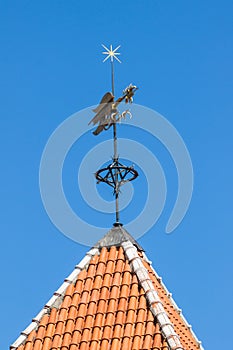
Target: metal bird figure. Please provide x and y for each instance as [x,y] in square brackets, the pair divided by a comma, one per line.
[103,112]
[107,112]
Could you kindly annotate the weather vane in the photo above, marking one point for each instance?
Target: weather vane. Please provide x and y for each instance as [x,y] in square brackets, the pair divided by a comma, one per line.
[106,115]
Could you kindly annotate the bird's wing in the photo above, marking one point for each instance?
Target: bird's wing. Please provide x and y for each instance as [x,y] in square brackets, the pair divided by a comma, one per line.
[102,114]
[107,98]
[103,109]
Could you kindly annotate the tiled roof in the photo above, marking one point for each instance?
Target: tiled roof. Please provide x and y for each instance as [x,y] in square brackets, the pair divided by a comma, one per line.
[112,300]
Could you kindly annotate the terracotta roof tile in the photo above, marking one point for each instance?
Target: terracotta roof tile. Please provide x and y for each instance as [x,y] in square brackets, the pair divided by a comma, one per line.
[96,334]
[117,332]
[94,345]
[126,343]
[46,344]
[119,265]
[107,280]
[98,320]
[104,344]
[124,291]
[147,342]
[114,292]
[28,346]
[103,255]
[113,252]
[107,333]
[83,345]
[116,279]
[76,336]
[128,330]
[56,341]
[136,342]
[102,307]
[66,340]
[141,315]
[106,307]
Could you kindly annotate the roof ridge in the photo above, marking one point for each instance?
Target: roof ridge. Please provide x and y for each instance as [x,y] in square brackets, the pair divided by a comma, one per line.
[56,299]
[179,310]
[155,304]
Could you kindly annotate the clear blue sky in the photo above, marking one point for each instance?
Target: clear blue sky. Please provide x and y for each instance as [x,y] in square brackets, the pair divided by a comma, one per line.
[180,54]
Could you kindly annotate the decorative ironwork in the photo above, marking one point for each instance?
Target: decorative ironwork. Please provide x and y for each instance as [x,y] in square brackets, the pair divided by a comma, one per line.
[116,174]
[106,115]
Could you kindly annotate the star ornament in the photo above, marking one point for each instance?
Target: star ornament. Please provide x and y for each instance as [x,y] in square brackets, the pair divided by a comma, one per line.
[111,53]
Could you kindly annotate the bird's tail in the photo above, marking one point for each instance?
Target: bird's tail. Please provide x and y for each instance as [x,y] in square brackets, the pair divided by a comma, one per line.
[98,130]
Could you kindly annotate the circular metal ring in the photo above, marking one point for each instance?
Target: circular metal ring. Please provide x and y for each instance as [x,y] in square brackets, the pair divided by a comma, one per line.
[124,174]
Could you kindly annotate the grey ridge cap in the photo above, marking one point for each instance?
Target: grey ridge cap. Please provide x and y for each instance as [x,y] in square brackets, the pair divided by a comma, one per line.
[115,237]
[156,305]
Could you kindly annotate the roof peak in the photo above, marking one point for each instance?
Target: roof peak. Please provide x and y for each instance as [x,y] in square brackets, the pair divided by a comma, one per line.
[115,237]
[122,281]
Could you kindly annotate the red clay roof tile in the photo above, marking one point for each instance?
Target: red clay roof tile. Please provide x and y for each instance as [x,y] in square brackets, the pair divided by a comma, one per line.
[124,291]
[126,343]
[138,329]
[116,279]
[37,344]
[76,336]
[96,334]
[147,342]
[117,331]
[28,346]
[136,342]
[46,344]
[119,266]
[62,314]
[107,332]
[56,341]
[120,317]
[83,345]
[102,306]
[115,344]
[114,292]
[104,344]
[111,306]
[107,280]
[94,345]
[141,315]
[128,330]
[79,323]
[66,340]
[98,320]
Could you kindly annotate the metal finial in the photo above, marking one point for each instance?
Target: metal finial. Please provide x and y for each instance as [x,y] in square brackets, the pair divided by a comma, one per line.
[111,53]
[107,115]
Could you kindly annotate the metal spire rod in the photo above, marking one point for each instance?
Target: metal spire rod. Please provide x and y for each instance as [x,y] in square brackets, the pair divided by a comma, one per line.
[112,74]
[115,157]
[112,54]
